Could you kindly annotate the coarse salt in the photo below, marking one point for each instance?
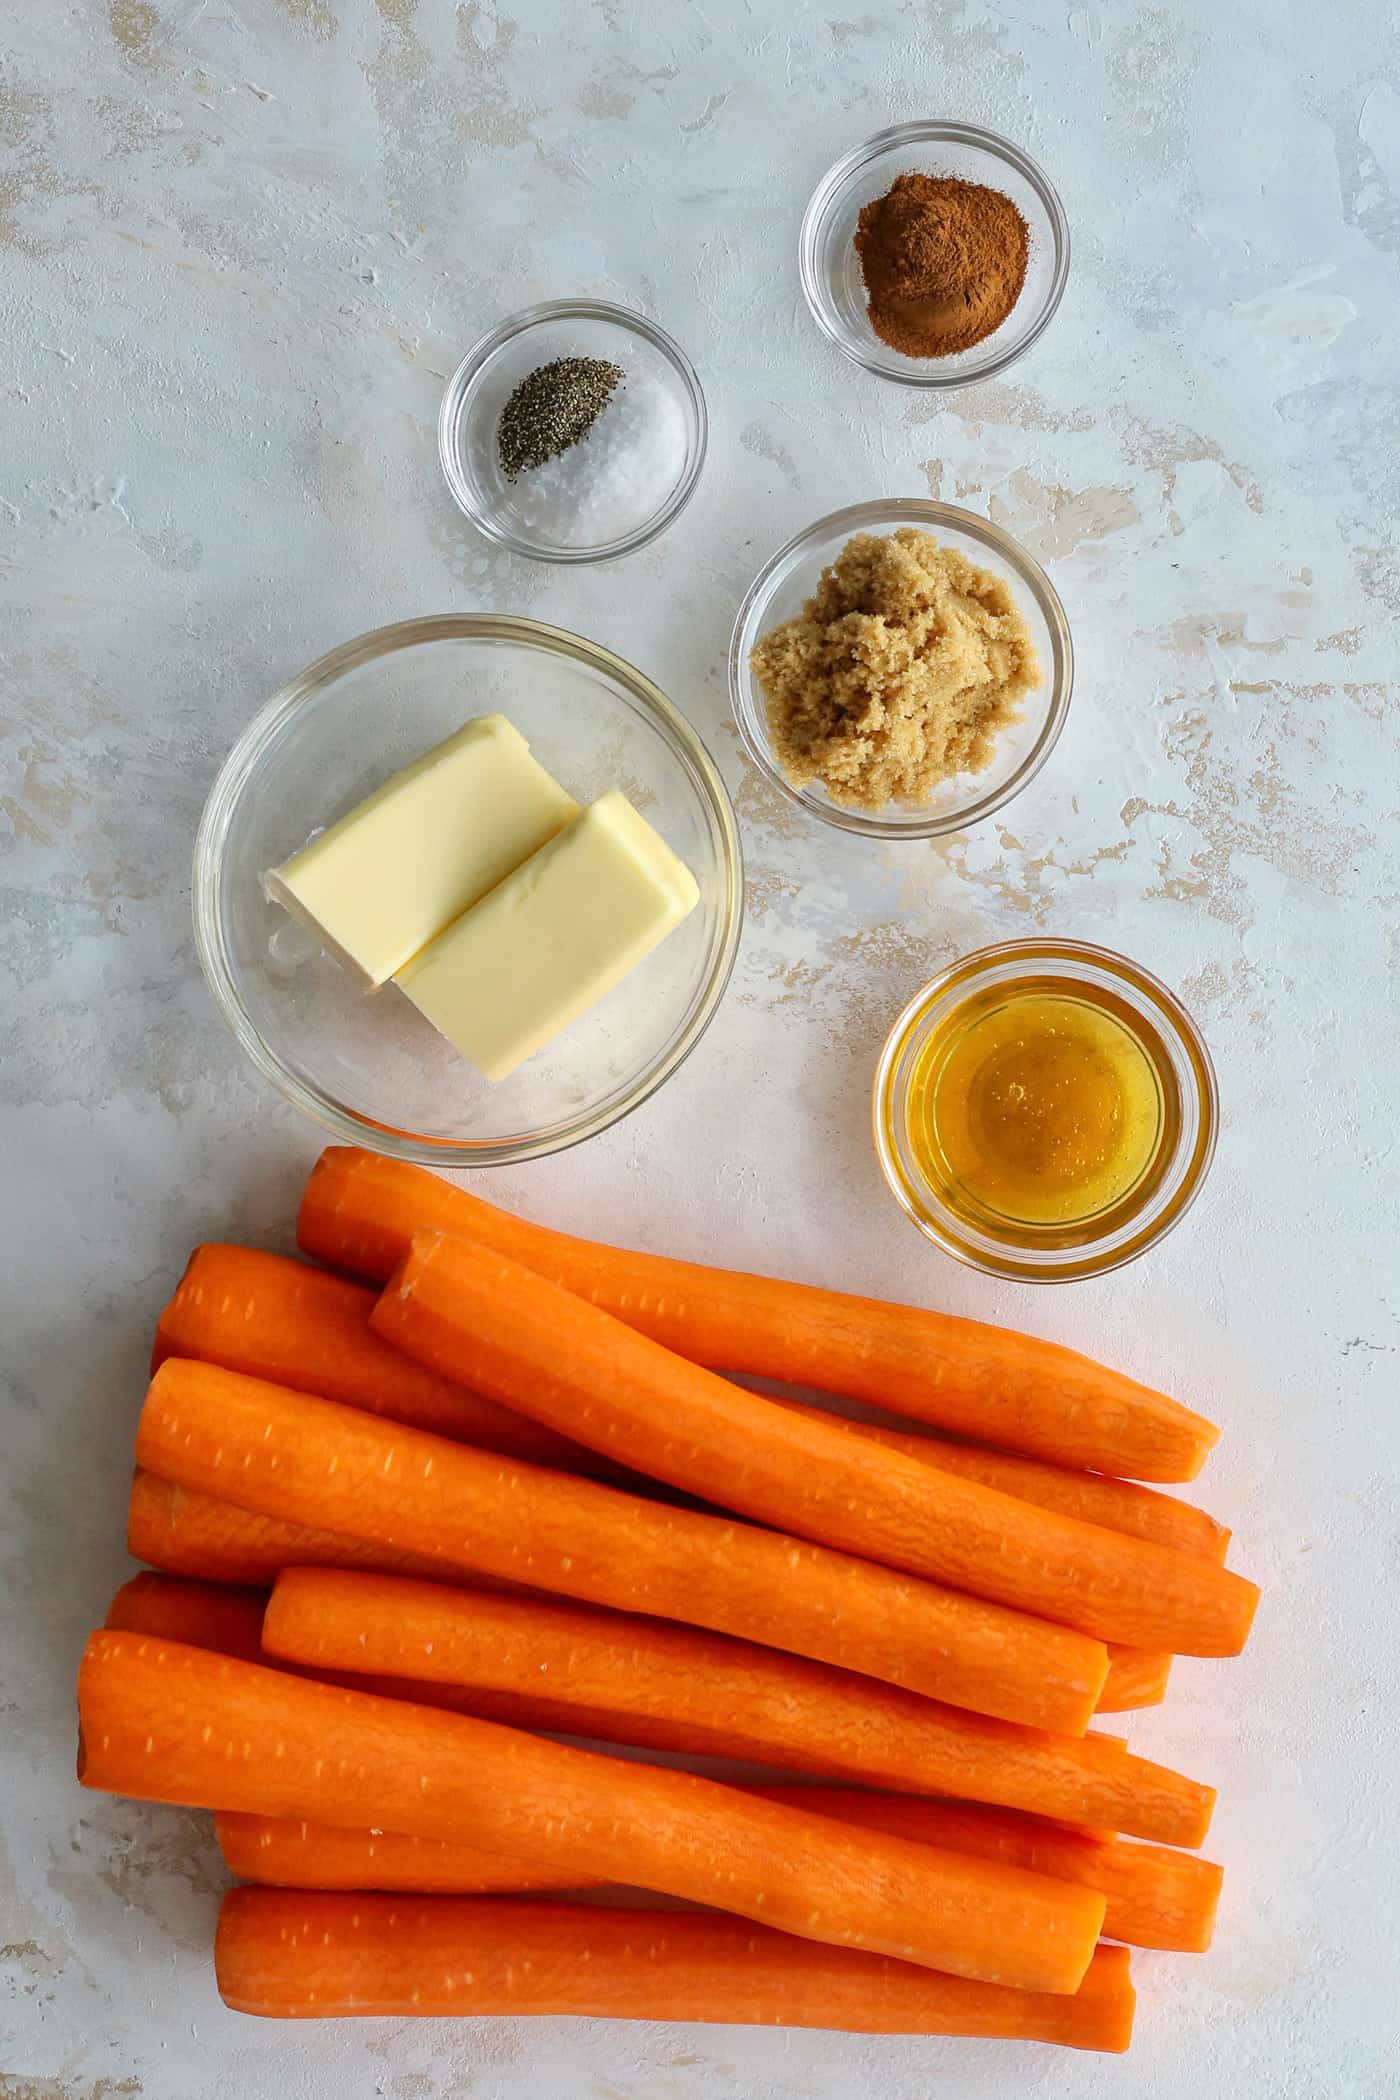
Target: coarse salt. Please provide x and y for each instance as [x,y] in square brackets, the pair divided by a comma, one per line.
[613,480]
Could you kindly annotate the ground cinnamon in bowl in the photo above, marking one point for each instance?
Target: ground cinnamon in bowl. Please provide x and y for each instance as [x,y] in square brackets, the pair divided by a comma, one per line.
[943,262]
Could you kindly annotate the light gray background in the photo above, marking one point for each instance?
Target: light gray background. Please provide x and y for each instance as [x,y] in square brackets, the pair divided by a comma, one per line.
[244,243]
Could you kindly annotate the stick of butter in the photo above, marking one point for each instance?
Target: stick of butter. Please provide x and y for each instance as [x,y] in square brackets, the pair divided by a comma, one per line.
[383,880]
[552,938]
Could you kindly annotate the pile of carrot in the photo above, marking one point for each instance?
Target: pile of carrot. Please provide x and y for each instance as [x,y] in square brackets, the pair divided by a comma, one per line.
[457,1487]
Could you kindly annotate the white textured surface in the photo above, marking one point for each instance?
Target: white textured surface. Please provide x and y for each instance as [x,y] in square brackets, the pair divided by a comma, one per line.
[244,243]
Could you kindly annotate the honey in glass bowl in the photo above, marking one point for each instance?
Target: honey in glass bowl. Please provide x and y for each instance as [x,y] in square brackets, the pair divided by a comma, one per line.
[1044,1110]
[1037,1106]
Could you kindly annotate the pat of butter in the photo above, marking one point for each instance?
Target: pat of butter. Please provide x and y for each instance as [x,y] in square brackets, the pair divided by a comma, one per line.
[389,876]
[553,938]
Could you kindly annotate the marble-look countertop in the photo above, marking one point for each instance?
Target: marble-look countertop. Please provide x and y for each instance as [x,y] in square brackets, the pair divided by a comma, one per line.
[244,241]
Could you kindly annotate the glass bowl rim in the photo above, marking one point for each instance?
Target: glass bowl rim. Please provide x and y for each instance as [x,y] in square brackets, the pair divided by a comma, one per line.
[898,510]
[1080,1263]
[930,131]
[231,781]
[454,395]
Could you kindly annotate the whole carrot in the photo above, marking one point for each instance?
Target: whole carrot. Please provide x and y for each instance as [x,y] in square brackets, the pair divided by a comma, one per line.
[773,1710]
[294,1955]
[273,1318]
[723,1697]
[360,1211]
[1137,1677]
[1095,1498]
[173,1723]
[224,1617]
[1155,1897]
[470,1313]
[309,1461]
[184,1532]
[291,1852]
[228,1619]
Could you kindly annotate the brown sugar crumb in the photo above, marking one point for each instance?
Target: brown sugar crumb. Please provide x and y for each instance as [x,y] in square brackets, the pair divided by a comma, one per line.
[901,670]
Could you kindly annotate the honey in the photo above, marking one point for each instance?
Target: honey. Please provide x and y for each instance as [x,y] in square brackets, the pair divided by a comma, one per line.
[1037,1106]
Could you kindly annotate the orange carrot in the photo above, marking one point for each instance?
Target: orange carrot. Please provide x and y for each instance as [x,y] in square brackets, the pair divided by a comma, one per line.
[478,1316]
[831,1743]
[1095,1498]
[1155,1897]
[224,1617]
[173,1723]
[360,1211]
[186,1533]
[229,1620]
[1161,1897]
[310,1461]
[1136,1677]
[293,1955]
[270,1317]
[291,1853]
[718,1696]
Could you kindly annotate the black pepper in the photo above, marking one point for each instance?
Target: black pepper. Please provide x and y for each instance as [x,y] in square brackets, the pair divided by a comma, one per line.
[553,408]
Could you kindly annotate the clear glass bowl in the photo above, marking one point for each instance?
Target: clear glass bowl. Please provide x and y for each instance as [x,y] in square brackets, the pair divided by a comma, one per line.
[367,1066]
[831,268]
[1187,1133]
[489,373]
[790,578]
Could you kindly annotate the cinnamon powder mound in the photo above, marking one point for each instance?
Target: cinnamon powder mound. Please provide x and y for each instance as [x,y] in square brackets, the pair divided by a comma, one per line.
[901,670]
[943,262]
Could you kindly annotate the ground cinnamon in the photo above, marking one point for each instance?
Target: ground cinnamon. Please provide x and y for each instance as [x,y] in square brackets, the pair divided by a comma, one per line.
[943,262]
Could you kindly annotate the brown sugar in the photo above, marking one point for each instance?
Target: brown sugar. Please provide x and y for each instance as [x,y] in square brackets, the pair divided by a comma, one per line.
[902,669]
[943,262]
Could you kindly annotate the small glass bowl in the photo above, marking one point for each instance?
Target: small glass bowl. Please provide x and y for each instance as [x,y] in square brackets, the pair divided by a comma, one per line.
[1191,1113]
[830,267]
[483,382]
[790,578]
[366,1065]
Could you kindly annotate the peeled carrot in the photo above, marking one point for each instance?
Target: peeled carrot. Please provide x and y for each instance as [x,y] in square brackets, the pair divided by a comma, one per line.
[1095,1498]
[289,1852]
[270,1317]
[478,1316]
[229,1619]
[173,1723]
[703,1693]
[831,1740]
[1155,1897]
[360,1211]
[294,1955]
[1161,1897]
[186,1533]
[224,1617]
[1136,1677]
[310,1461]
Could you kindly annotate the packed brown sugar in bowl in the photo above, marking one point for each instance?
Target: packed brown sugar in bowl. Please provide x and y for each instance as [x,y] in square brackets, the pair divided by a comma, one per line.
[900,672]
[943,263]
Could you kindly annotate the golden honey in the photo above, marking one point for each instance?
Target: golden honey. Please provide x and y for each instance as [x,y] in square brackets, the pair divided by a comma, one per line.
[1038,1105]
